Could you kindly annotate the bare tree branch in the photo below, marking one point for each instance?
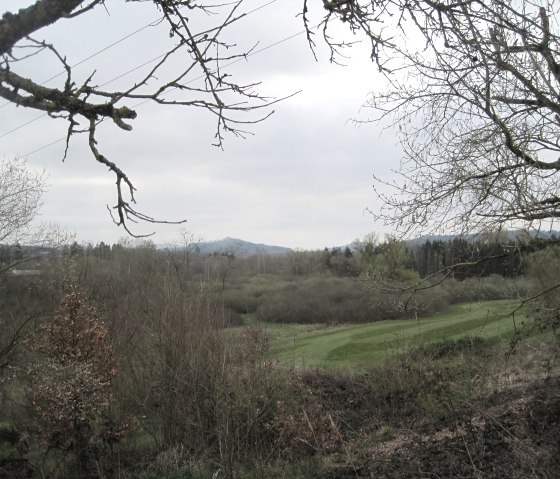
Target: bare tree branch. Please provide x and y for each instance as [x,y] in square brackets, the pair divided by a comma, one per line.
[474,88]
[15,27]
[202,82]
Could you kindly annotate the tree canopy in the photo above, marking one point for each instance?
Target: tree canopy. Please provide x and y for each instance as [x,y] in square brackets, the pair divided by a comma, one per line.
[472,85]
[474,89]
[84,105]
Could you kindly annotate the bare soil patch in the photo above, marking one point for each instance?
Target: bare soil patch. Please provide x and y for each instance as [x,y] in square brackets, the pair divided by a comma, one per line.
[511,430]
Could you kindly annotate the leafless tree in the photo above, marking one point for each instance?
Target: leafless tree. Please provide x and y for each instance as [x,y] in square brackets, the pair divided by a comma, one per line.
[21,190]
[84,106]
[474,88]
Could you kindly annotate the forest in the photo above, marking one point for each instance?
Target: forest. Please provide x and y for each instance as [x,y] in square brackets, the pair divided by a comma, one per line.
[132,360]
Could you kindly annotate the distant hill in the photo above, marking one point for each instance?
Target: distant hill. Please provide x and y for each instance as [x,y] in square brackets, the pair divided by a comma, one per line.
[239,247]
[245,248]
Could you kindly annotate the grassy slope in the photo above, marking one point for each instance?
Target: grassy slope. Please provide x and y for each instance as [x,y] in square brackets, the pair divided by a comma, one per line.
[356,346]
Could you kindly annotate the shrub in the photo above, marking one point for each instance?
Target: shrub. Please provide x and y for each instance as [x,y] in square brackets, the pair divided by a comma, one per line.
[72,388]
[323,299]
[487,288]
[473,345]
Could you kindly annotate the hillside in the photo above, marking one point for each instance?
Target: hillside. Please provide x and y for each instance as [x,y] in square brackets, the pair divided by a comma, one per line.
[240,247]
[359,346]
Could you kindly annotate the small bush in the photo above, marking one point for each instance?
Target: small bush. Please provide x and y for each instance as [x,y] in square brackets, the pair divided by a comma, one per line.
[487,288]
[325,299]
[452,347]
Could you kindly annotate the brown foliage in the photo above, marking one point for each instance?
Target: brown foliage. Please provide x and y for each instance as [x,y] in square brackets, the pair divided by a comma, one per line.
[74,384]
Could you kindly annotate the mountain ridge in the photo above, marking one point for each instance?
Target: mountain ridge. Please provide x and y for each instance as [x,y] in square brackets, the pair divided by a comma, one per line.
[245,248]
[238,247]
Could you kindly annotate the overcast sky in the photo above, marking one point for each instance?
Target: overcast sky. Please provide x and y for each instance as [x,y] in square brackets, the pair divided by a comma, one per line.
[302,180]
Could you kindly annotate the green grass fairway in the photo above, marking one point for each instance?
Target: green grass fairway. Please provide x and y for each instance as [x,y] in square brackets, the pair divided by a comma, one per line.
[357,346]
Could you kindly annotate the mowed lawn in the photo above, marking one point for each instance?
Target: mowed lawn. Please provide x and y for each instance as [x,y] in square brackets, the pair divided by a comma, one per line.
[356,346]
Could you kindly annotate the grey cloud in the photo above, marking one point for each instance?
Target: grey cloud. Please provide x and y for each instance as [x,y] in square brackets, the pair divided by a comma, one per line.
[302,180]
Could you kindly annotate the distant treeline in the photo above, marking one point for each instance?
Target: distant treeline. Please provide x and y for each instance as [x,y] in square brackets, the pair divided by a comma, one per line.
[390,259]
[475,258]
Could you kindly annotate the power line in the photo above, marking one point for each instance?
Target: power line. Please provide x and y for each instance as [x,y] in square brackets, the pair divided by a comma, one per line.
[98,52]
[42,115]
[44,147]
[272,45]
[108,47]
[262,6]
[255,52]
[6,133]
